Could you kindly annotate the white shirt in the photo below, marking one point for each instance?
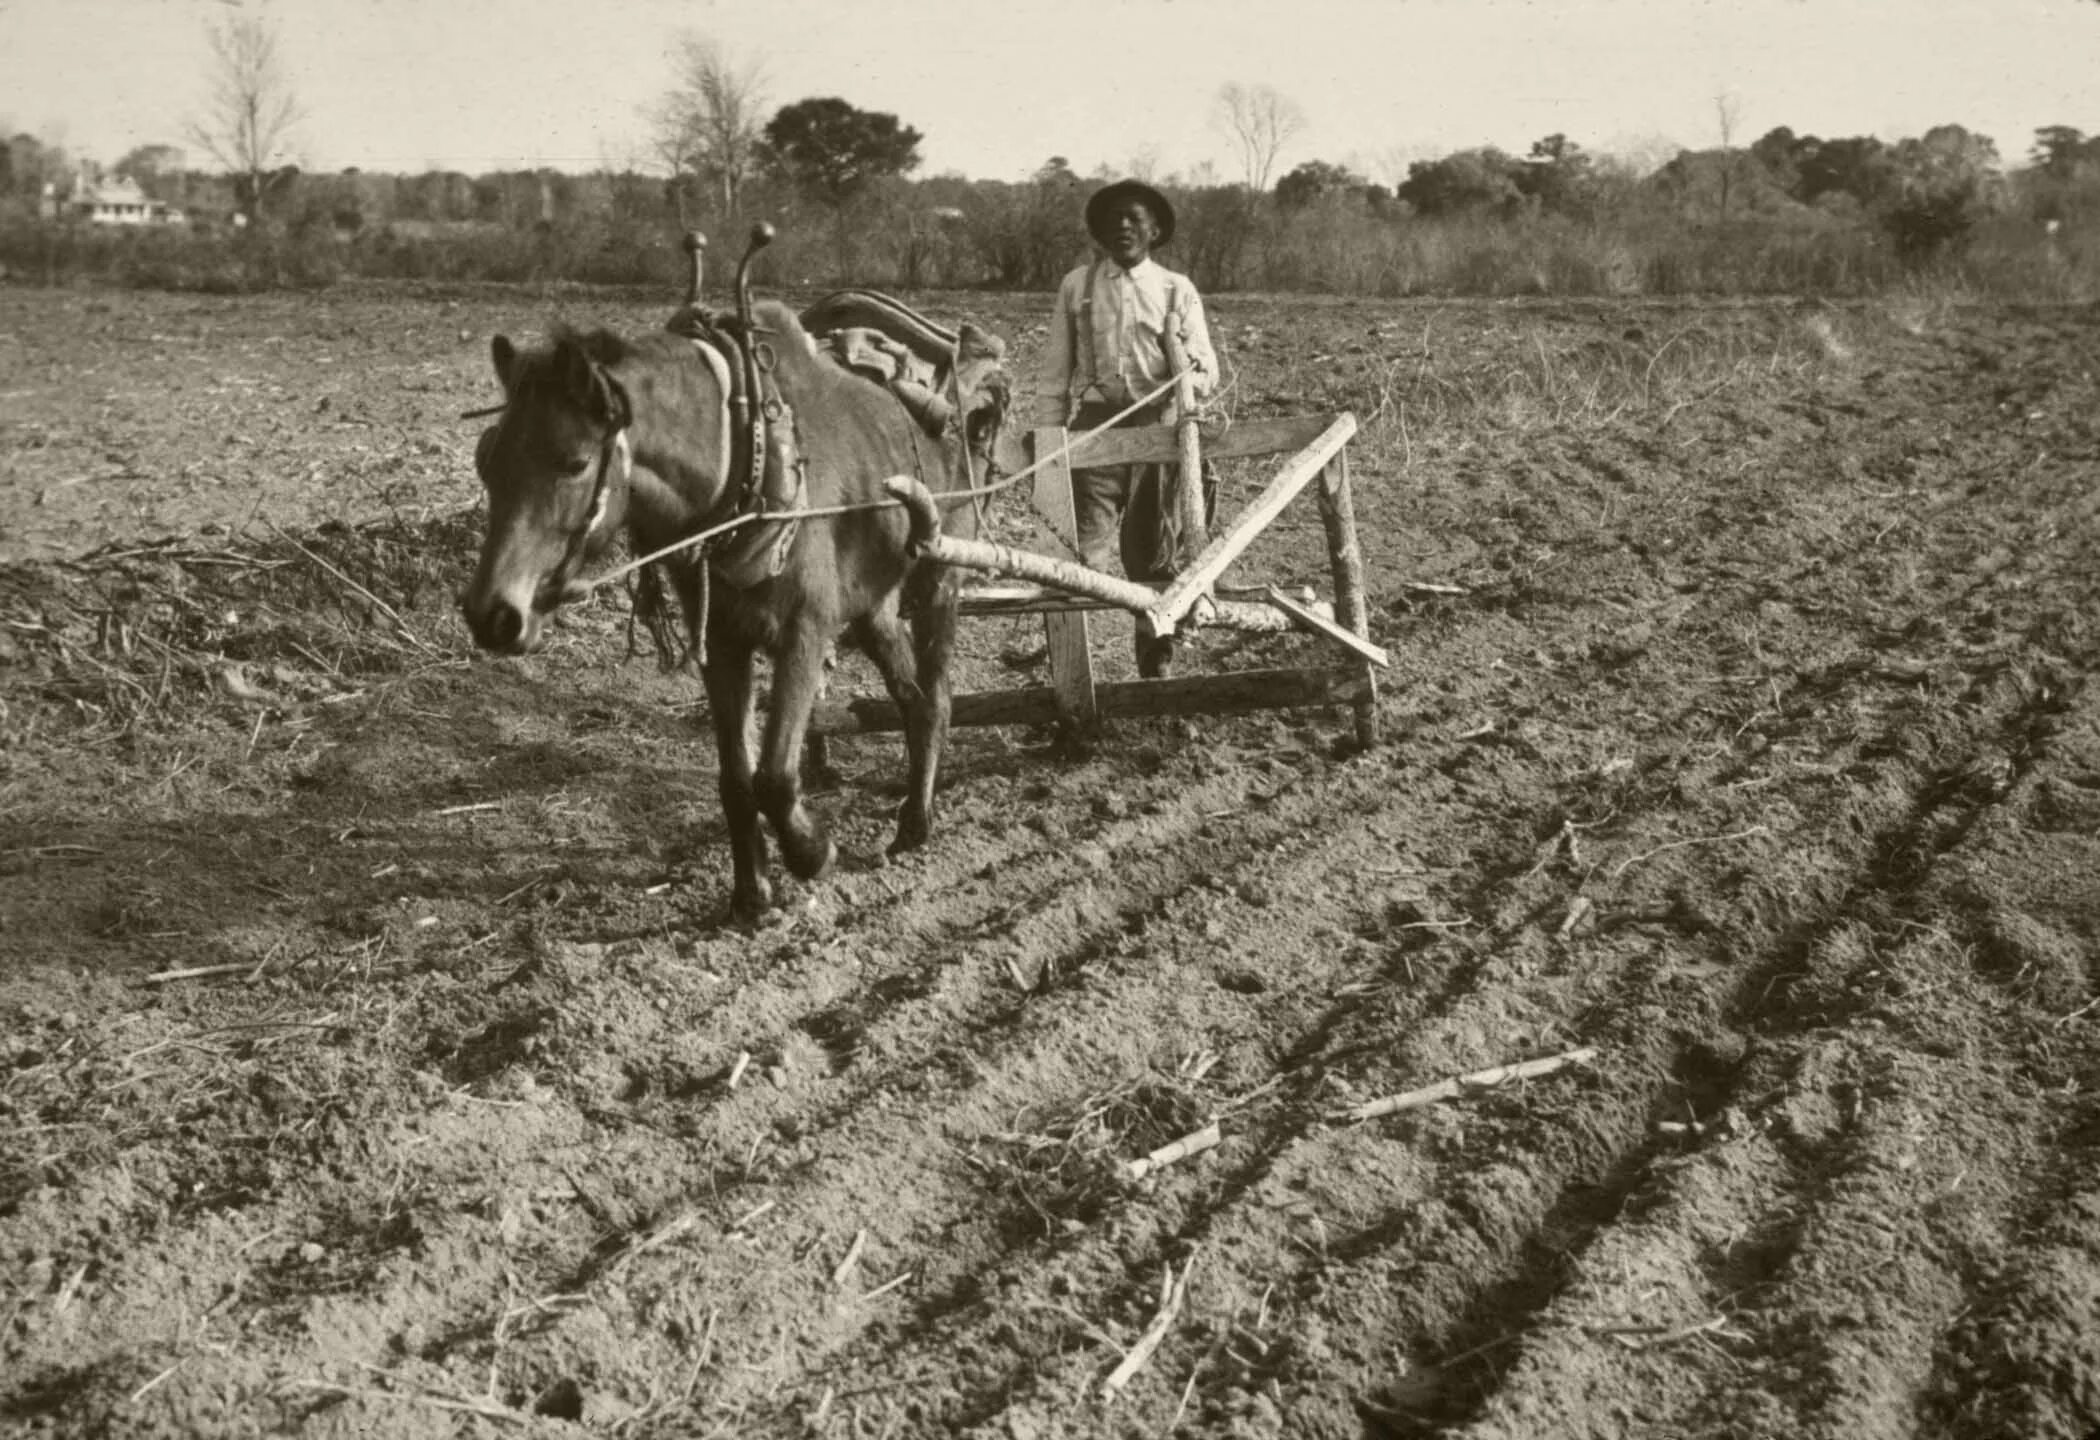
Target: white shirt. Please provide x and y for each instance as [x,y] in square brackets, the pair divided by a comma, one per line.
[1129,315]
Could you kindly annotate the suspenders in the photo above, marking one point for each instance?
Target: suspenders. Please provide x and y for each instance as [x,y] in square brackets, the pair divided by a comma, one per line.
[1085,340]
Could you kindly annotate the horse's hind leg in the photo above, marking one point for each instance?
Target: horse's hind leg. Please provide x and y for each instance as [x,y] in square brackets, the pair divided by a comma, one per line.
[882,635]
[798,667]
[933,637]
[728,677]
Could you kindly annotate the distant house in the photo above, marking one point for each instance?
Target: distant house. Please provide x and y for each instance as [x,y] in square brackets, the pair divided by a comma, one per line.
[115,202]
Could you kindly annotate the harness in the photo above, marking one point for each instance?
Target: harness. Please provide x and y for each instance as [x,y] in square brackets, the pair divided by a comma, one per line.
[761,458]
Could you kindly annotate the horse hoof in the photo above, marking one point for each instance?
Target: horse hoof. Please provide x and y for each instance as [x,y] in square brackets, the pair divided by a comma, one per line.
[910,837]
[747,908]
[809,859]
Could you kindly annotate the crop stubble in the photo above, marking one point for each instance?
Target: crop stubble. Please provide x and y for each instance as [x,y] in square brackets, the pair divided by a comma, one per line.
[1739,730]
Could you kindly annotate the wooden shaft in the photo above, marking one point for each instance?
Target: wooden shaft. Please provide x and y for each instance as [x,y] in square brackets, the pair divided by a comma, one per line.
[1346,560]
[927,540]
[1064,574]
[1234,692]
[1192,583]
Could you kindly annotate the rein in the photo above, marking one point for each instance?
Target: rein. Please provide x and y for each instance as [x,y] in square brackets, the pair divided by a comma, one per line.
[948,498]
[616,447]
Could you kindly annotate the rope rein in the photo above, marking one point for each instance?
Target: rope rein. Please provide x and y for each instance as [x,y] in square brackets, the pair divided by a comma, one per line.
[951,497]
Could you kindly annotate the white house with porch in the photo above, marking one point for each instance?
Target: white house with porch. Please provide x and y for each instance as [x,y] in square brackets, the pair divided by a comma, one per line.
[113,202]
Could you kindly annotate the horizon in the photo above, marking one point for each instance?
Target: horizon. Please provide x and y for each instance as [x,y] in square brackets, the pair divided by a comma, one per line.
[394,87]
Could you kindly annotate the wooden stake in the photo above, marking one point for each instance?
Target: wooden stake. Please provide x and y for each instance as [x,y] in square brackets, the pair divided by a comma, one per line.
[1346,561]
[1172,1293]
[1464,1084]
[845,1266]
[1187,1145]
[1065,634]
[198,972]
[1186,504]
[886,1286]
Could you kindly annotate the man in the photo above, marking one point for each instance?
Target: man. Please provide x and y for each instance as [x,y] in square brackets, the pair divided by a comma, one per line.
[1106,349]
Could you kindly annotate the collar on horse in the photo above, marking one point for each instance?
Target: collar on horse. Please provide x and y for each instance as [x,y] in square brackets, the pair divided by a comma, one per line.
[763,470]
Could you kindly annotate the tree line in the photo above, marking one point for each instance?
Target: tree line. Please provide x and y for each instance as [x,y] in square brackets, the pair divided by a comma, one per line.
[1789,213]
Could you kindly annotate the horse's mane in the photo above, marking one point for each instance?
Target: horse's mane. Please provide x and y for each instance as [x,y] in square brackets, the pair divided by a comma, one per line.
[797,363]
[607,347]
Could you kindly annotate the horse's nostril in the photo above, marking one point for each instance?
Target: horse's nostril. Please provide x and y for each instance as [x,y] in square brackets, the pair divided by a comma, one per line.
[505,626]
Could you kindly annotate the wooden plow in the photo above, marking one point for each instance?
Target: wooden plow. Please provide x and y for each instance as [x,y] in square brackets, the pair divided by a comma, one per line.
[1064,591]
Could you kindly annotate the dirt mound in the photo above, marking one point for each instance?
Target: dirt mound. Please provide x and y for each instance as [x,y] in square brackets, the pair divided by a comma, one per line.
[377,1060]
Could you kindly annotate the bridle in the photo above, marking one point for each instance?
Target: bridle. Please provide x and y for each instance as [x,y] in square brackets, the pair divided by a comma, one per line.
[614,451]
[615,456]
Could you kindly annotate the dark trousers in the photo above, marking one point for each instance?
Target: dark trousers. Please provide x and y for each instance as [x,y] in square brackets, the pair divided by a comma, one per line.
[1120,510]
[1119,513]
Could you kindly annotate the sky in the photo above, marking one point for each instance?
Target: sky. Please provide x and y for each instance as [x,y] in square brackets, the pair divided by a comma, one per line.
[997,87]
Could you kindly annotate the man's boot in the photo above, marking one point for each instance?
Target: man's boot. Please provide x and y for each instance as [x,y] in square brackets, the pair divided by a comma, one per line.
[1155,656]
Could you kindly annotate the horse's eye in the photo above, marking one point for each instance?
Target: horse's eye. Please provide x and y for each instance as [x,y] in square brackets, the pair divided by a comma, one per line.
[575,468]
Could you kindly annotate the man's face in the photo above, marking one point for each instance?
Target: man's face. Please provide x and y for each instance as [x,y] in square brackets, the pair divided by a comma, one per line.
[1128,231]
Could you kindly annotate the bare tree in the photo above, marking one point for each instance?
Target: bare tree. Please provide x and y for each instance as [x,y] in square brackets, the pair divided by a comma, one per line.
[1260,120]
[247,123]
[710,123]
[1728,114]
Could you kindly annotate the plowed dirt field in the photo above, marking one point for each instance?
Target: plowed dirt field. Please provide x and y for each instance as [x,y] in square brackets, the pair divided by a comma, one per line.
[377,1061]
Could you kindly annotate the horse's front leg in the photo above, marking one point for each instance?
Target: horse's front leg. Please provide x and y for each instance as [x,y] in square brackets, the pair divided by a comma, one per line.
[798,674]
[727,674]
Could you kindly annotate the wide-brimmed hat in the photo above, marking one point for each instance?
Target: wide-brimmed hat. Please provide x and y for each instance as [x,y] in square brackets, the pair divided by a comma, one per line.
[1098,204]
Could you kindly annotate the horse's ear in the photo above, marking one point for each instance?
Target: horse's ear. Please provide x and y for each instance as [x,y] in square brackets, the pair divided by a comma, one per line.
[578,376]
[619,410]
[505,355]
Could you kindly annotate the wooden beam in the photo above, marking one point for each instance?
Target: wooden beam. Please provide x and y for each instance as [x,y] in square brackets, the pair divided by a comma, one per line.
[1065,632]
[872,714]
[1235,692]
[1158,444]
[1319,624]
[1150,444]
[1013,598]
[1025,597]
[1222,551]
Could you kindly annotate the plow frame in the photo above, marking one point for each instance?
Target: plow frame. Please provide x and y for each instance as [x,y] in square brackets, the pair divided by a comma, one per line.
[1064,591]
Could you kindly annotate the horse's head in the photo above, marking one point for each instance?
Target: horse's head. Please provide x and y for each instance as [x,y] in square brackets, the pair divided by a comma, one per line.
[554,466]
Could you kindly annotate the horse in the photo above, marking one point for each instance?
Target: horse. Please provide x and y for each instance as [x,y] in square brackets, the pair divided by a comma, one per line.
[601,434]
